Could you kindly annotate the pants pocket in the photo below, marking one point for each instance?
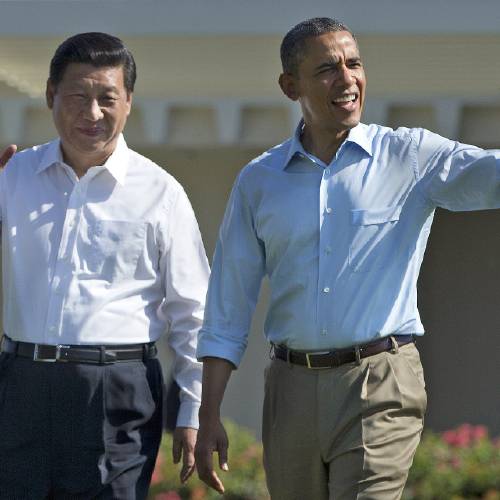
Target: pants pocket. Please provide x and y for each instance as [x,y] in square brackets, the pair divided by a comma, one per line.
[133,395]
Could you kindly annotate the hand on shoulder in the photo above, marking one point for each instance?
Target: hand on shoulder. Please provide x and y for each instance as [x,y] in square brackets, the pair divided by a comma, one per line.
[7,155]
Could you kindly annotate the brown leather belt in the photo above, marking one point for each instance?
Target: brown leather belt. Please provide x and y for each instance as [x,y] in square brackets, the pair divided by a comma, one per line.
[338,357]
[94,354]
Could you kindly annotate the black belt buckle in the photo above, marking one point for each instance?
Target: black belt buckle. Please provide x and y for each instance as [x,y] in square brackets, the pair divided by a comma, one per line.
[48,353]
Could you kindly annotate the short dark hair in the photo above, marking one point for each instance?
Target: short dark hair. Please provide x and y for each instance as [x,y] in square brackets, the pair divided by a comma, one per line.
[97,49]
[294,43]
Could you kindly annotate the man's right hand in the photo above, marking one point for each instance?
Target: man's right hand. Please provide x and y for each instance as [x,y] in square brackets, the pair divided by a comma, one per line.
[7,155]
[211,437]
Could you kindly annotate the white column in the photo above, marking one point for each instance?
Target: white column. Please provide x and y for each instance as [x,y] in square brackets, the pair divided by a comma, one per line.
[295,114]
[228,116]
[448,117]
[155,114]
[12,113]
[375,111]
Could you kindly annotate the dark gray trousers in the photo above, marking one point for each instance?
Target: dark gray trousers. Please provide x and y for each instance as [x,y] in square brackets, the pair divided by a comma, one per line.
[78,431]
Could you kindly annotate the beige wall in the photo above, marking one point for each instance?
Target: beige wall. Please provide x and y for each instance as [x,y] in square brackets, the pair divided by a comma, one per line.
[247,66]
[459,298]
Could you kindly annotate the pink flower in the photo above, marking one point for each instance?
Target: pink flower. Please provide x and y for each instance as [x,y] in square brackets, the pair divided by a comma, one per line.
[449,437]
[465,435]
[157,476]
[479,432]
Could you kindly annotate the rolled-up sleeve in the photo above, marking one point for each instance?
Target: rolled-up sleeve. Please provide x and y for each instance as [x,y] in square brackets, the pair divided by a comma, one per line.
[237,272]
[185,266]
[457,176]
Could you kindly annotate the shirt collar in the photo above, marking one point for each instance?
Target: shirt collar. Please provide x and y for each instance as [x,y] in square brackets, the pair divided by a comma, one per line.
[357,135]
[51,156]
[116,164]
[295,144]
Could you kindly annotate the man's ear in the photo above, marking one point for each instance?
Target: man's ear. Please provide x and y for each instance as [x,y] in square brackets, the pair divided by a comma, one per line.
[288,84]
[49,94]
[129,102]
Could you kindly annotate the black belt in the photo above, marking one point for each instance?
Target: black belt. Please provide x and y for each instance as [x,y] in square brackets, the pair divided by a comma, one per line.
[96,354]
[335,358]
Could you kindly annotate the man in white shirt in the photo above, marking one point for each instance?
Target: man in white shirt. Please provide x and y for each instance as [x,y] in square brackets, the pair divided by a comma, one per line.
[101,254]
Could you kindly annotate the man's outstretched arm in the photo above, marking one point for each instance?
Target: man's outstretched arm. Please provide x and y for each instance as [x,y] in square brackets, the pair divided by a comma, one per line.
[212,435]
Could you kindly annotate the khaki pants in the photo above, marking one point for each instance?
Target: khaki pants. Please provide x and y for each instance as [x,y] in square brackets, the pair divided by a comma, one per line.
[343,433]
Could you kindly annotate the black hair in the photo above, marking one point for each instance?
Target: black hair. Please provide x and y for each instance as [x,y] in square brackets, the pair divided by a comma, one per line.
[97,49]
[293,45]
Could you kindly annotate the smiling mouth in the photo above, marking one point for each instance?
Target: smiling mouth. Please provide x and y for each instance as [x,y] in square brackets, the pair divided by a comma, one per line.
[345,99]
[91,132]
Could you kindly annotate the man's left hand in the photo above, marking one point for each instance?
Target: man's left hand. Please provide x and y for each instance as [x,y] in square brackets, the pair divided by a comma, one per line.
[184,440]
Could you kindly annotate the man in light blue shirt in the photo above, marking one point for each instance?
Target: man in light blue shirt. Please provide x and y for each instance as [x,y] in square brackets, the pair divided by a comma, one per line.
[338,218]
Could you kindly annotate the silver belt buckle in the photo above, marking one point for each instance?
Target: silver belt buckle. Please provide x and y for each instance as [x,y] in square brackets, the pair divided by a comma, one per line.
[311,366]
[57,357]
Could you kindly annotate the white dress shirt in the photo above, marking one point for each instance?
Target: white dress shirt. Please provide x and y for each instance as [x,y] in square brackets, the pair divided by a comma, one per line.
[114,257]
[342,243]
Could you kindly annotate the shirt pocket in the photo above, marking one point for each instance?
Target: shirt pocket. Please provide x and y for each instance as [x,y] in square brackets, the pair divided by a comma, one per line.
[371,247]
[115,248]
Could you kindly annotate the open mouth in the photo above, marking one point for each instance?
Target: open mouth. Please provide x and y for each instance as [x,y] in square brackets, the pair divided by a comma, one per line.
[347,101]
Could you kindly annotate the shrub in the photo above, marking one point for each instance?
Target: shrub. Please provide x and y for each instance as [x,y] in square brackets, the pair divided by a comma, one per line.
[459,464]
[244,481]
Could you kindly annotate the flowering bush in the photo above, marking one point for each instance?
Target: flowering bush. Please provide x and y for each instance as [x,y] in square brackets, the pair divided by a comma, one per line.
[459,464]
[245,480]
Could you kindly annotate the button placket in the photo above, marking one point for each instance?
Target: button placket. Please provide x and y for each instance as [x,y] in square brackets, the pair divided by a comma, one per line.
[326,262]
[62,270]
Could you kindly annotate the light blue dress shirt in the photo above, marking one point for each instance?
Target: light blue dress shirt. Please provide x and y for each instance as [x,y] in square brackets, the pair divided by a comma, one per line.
[342,244]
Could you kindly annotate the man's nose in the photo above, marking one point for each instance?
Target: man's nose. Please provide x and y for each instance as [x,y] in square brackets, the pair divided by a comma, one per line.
[93,110]
[345,76]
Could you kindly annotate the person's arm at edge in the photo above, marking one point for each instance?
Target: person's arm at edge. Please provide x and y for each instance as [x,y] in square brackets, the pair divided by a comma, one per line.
[212,435]
[7,155]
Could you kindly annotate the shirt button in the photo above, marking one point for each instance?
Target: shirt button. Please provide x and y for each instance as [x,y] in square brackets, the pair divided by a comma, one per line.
[324,331]
[328,210]
[52,328]
[327,171]
[326,289]
[328,250]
